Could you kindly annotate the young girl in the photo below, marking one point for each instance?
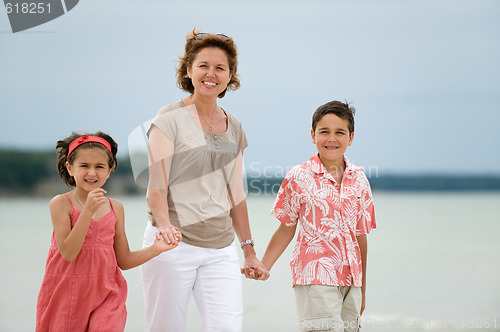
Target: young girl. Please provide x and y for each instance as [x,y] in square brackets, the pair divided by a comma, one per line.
[83,288]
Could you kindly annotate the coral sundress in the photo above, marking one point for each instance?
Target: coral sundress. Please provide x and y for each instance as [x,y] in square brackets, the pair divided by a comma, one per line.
[89,293]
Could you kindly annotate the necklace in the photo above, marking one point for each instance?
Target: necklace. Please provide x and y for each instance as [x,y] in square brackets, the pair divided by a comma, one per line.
[78,198]
[211,119]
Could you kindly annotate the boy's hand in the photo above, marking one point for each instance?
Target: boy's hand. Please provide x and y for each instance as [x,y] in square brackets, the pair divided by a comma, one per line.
[254,273]
[255,270]
[162,245]
[362,305]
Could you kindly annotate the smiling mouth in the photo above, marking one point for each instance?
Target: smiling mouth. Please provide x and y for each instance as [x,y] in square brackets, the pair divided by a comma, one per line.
[91,181]
[209,84]
[331,147]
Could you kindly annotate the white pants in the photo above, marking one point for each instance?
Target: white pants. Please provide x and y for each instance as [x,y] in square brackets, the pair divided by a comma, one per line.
[212,275]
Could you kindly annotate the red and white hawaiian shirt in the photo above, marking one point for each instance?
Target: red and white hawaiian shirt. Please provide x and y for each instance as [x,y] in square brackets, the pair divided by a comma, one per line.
[331,216]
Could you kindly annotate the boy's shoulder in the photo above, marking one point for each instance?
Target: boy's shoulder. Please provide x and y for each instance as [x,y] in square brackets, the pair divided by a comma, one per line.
[357,176]
[300,171]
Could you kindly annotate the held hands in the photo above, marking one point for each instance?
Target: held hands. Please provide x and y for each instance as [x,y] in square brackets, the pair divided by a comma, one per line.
[167,238]
[254,269]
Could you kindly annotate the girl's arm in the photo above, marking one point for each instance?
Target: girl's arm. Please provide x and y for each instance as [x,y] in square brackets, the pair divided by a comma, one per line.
[241,225]
[363,247]
[279,242]
[70,241]
[160,152]
[127,259]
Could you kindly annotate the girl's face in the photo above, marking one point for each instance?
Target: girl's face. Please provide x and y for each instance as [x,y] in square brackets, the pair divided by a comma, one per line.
[90,168]
[210,72]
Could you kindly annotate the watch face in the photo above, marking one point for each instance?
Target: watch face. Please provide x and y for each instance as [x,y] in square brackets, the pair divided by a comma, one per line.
[244,243]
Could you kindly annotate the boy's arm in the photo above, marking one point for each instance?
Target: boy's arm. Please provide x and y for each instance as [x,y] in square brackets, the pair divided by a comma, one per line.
[363,247]
[279,242]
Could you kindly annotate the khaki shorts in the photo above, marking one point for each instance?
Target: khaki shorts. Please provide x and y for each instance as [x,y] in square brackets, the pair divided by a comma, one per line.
[328,308]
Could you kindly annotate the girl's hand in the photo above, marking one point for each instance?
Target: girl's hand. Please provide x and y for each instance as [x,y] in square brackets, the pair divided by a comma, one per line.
[95,199]
[170,234]
[161,244]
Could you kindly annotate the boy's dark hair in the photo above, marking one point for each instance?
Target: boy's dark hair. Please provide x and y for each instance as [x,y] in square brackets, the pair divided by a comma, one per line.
[342,110]
[62,148]
[194,46]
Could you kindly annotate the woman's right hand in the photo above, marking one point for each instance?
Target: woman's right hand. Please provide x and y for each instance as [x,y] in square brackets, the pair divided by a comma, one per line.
[161,245]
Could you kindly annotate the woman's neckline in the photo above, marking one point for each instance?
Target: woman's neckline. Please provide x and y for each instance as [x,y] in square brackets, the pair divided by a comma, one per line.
[200,126]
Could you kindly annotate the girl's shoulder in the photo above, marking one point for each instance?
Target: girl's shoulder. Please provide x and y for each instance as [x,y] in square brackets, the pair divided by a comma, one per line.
[116,203]
[61,202]
[117,206]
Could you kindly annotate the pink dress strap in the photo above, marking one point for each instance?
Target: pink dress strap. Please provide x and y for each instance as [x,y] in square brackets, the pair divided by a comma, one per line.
[112,207]
[110,203]
[70,201]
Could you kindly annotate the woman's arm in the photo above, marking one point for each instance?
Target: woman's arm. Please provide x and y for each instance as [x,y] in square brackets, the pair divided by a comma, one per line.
[252,268]
[70,240]
[241,225]
[127,259]
[160,152]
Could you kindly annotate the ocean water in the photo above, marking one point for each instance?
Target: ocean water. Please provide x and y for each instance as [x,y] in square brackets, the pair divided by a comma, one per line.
[433,265]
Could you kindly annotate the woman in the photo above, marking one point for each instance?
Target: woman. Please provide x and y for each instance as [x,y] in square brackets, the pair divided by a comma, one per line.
[196,185]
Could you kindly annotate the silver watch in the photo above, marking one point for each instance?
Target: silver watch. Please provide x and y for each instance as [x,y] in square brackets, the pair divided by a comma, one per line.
[244,243]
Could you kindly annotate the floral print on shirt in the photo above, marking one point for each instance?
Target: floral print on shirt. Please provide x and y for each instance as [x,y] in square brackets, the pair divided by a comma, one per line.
[330,217]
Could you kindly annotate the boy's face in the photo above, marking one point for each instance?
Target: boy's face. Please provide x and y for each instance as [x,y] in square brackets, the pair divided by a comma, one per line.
[332,137]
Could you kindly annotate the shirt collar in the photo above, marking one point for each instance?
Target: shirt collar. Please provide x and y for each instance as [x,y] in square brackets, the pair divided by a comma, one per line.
[318,168]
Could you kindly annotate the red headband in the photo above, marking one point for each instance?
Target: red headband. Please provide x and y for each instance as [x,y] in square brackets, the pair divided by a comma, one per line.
[85,139]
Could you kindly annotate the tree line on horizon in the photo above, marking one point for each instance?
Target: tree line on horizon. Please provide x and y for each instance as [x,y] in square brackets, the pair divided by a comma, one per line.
[34,173]
[23,172]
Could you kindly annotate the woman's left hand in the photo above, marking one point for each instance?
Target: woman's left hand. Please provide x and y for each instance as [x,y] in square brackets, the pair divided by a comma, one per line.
[254,269]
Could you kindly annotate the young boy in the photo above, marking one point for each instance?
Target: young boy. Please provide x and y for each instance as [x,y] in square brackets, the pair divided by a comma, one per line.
[332,200]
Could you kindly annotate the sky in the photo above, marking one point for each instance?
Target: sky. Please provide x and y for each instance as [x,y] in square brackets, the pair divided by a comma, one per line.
[424,77]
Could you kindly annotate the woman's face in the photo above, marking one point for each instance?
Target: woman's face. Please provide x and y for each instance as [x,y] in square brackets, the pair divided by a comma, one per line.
[210,72]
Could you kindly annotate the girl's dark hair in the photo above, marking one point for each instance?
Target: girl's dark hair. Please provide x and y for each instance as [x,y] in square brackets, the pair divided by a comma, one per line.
[194,46]
[62,148]
[342,110]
